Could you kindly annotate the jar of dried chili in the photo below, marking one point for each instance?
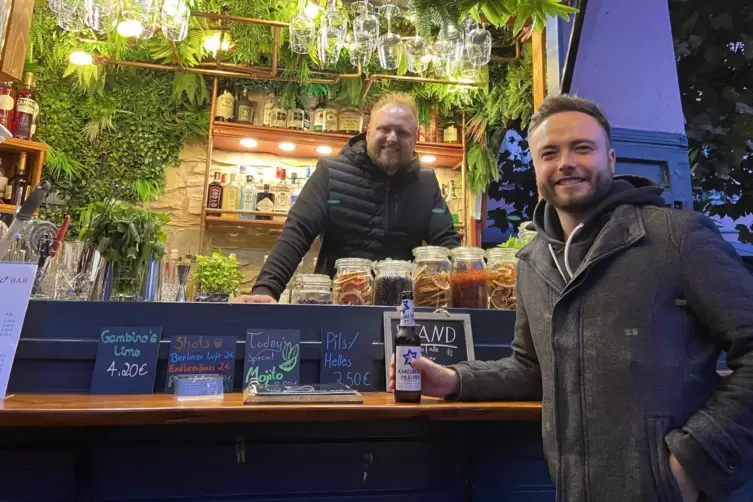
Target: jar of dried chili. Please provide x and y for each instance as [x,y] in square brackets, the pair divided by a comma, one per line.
[469,288]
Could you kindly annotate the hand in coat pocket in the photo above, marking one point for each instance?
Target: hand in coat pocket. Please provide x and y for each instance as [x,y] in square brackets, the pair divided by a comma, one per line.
[687,488]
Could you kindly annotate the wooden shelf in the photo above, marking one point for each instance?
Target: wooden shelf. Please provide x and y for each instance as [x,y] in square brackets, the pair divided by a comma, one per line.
[227,136]
[7,209]
[219,221]
[22,145]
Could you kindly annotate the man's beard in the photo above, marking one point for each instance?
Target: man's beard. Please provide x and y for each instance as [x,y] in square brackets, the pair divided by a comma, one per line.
[392,164]
[599,187]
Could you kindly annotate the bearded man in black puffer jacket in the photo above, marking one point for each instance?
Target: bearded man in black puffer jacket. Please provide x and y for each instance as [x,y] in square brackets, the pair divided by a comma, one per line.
[372,201]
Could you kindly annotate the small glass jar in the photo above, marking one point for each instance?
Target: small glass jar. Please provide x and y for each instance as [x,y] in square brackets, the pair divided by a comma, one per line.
[393,277]
[468,278]
[353,283]
[312,289]
[431,277]
[525,235]
[501,278]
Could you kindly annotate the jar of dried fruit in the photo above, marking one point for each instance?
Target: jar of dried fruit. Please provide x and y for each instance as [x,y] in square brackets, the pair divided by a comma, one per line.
[353,283]
[468,278]
[313,289]
[431,277]
[500,264]
[392,278]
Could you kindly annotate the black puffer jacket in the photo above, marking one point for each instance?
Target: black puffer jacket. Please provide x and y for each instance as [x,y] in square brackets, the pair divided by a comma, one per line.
[360,212]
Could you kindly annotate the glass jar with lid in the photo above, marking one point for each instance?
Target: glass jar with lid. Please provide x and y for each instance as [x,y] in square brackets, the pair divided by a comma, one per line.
[393,277]
[312,289]
[468,278]
[501,278]
[431,277]
[353,283]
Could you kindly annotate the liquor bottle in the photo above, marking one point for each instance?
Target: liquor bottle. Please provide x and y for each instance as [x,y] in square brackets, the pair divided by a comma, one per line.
[268,109]
[295,117]
[225,106]
[454,203]
[450,133]
[280,115]
[350,120]
[214,197]
[265,203]
[18,185]
[248,198]
[3,182]
[7,104]
[319,116]
[366,120]
[231,197]
[281,192]
[295,188]
[26,110]
[331,115]
[407,348]
[244,109]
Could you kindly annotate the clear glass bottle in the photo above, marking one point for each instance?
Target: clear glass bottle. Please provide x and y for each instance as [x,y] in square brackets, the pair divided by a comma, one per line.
[231,197]
[319,116]
[280,115]
[312,289]
[353,283]
[295,188]
[454,204]
[393,277]
[431,277]
[248,198]
[296,117]
[501,277]
[268,108]
[468,278]
[450,133]
[7,104]
[331,115]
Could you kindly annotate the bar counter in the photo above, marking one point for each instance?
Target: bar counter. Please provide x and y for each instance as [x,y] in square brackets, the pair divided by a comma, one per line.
[78,410]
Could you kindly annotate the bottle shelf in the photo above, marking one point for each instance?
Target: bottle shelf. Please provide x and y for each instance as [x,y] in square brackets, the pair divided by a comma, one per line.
[22,145]
[227,136]
[220,221]
[7,209]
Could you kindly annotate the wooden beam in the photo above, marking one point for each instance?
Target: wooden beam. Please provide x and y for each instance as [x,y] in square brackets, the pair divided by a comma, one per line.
[538,42]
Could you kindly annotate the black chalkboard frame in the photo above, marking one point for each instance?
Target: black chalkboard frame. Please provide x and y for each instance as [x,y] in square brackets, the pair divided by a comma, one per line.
[441,315]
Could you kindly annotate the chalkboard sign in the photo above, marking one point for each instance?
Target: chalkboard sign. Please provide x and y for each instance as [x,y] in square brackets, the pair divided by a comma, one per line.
[347,358]
[273,356]
[201,355]
[445,338]
[126,360]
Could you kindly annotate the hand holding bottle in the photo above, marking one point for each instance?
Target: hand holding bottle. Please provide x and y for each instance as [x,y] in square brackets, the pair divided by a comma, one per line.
[436,380]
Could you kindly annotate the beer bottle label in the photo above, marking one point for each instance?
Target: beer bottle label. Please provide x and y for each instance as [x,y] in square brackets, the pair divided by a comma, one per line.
[407,378]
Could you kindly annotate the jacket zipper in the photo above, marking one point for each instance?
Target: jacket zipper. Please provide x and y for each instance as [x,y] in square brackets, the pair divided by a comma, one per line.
[387,207]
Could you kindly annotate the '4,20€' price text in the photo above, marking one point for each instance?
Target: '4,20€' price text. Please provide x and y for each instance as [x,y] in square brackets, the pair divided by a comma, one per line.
[128,370]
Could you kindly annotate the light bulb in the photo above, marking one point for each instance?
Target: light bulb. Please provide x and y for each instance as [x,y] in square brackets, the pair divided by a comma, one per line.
[80,58]
[311,10]
[286,146]
[429,159]
[130,28]
[212,43]
[249,143]
[324,150]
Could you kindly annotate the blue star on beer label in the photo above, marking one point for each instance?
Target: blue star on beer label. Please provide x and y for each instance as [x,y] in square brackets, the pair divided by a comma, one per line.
[409,356]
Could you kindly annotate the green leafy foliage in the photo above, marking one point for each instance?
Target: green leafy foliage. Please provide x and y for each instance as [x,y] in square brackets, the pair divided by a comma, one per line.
[217,273]
[511,243]
[714,50]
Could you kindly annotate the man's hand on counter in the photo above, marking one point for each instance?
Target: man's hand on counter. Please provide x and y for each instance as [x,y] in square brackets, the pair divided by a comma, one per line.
[436,380]
[253,299]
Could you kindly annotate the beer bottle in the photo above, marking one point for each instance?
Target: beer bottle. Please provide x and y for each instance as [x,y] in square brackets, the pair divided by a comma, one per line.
[407,348]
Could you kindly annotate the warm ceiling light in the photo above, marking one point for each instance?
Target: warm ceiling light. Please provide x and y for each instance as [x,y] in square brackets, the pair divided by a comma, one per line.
[286,146]
[312,10]
[212,43]
[129,28]
[249,143]
[80,58]
[324,150]
[429,159]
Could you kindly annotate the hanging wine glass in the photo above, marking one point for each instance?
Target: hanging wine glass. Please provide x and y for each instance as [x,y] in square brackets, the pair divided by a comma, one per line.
[359,52]
[417,50]
[139,19]
[389,45]
[479,46]
[175,16]
[71,15]
[302,32]
[101,15]
[443,52]
[327,45]
[365,26]
[337,23]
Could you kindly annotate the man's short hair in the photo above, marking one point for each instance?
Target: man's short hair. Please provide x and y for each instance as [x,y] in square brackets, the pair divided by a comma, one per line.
[402,99]
[553,105]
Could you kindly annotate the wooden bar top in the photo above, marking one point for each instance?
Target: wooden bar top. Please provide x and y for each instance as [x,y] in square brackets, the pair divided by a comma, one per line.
[74,410]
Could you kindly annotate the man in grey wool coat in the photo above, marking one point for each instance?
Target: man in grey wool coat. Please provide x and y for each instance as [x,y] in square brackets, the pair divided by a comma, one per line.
[624,306]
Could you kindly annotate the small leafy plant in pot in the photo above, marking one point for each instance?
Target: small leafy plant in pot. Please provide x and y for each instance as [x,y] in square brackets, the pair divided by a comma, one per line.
[217,277]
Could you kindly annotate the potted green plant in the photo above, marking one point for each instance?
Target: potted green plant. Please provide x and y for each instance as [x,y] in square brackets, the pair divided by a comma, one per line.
[127,237]
[217,277]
